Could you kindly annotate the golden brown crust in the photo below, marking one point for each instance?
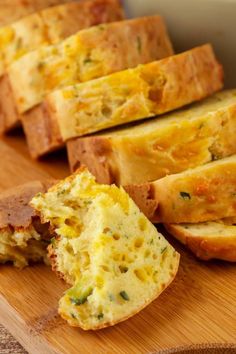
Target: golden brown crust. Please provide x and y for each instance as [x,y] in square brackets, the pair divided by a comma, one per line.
[142,195]
[9,117]
[204,247]
[91,152]
[14,204]
[42,134]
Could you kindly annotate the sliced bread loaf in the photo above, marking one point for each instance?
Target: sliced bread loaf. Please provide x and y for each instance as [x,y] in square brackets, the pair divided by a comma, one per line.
[106,248]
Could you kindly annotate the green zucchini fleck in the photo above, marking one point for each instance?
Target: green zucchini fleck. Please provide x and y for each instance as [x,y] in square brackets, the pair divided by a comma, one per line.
[139,44]
[80,299]
[87,60]
[185,195]
[124,295]
[100,316]
[163,250]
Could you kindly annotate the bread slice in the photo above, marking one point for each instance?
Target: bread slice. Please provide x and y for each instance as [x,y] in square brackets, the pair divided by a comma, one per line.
[112,255]
[170,144]
[13,10]
[23,238]
[130,95]
[46,27]
[205,193]
[208,240]
[88,54]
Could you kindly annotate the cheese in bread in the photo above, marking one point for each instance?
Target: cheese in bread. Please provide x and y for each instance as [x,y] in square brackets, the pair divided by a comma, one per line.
[208,240]
[105,247]
[205,193]
[23,238]
[184,139]
[89,54]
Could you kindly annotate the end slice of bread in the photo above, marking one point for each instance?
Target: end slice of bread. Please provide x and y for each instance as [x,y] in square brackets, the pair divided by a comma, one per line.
[209,240]
[23,238]
[204,193]
[107,249]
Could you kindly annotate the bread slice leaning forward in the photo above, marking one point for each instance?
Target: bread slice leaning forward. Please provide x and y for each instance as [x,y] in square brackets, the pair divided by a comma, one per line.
[49,26]
[107,249]
[127,96]
[208,240]
[170,144]
[205,193]
[23,238]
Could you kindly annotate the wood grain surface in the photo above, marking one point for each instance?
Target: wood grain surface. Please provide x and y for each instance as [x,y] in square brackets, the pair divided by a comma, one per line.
[199,308]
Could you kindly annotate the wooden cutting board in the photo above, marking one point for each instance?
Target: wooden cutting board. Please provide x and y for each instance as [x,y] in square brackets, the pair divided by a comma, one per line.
[198,308]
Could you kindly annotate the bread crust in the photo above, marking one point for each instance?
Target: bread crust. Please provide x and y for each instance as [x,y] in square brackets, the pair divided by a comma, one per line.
[205,248]
[42,134]
[170,144]
[9,117]
[15,210]
[202,194]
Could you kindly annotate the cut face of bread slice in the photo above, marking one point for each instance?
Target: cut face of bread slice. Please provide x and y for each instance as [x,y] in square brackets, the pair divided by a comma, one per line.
[89,54]
[49,26]
[170,144]
[13,10]
[209,240]
[114,257]
[130,95]
[23,238]
[205,193]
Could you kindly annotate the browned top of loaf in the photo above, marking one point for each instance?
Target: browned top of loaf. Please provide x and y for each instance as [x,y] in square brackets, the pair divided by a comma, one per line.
[14,204]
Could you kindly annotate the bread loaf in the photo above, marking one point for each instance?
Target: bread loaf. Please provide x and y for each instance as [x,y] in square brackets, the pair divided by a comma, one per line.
[129,95]
[105,247]
[184,139]
[208,240]
[23,238]
[205,193]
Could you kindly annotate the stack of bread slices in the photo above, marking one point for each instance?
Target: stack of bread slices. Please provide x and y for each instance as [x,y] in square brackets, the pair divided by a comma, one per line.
[135,114]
